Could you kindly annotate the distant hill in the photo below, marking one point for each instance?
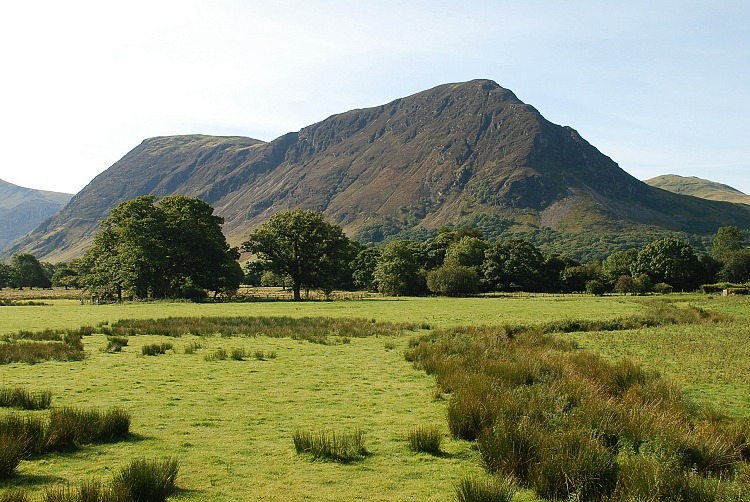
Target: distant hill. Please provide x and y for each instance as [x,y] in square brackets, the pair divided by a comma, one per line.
[22,209]
[455,154]
[698,187]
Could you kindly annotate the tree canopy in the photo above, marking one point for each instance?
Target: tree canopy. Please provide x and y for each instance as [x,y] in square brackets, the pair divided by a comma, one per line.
[302,245]
[159,249]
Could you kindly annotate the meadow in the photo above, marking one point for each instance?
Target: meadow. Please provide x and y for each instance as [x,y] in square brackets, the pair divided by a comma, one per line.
[231,421]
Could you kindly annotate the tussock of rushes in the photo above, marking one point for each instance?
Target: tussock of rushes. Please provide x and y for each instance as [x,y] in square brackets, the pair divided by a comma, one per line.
[24,399]
[217,355]
[327,445]
[238,354]
[192,347]
[151,480]
[116,343]
[15,496]
[154,349]
[491,489]
[426,439]
[12,450]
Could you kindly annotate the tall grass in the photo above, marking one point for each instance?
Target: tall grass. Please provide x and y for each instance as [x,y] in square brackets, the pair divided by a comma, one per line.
[329,445]
[492,489]
[26,400]
[568,424]
[426,439]
[155,349]
[315,330]
[146,480]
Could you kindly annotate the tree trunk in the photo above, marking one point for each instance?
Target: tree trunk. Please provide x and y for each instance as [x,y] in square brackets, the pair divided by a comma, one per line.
[296,288]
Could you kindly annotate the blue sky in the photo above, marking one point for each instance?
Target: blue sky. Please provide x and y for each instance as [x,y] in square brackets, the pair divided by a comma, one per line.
[659,86]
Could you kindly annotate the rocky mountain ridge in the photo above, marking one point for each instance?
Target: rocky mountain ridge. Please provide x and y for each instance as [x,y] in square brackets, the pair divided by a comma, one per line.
[445,156]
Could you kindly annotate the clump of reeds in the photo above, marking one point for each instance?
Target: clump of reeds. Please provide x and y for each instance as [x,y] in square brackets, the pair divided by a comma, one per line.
[155,349]
[26,400]
[116,343]
[426,439]
[151,480]
[490,489]
[329,445]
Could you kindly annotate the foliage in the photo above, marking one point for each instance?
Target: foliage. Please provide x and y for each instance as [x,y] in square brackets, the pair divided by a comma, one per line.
[513,265]
[399,269]
[302,245]
[26,271]
[363,269]
[158,249]
[672,261]
[453,279]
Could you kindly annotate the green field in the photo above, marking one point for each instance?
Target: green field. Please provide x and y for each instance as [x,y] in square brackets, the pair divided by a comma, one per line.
[230,423]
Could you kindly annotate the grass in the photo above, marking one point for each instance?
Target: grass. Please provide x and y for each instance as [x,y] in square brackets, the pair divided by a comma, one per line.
[230,425]
[425,439]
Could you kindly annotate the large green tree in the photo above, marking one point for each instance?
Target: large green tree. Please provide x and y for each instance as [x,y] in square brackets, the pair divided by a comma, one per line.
[513,265]
[159,249]
[400,269]
[671,261]
[301,244]
[28,272]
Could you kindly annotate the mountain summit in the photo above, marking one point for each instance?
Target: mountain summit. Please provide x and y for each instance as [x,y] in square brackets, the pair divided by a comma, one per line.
[449,155]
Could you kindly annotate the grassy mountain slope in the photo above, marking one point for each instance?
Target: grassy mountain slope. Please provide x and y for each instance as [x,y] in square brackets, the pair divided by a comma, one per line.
[698,187]
[448,155]
[22,209]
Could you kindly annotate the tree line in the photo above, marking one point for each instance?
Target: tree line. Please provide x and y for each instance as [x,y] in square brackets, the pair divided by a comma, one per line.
[173,247]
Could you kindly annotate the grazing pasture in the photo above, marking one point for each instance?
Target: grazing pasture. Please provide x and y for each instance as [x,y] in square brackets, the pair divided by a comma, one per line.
[231,422]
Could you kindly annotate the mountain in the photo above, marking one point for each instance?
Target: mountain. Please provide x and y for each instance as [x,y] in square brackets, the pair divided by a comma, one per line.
[22,209]
[455,154]
[698,187]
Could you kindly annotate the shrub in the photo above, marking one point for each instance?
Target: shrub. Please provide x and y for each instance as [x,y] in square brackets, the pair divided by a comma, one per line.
[453,280]
[338,447]
[23,399]
[491,489]
[146,480]
[425,439]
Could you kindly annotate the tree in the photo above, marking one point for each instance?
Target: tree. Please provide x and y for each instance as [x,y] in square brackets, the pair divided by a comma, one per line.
[468,252]
[727,241]
[513,265]
[399,270]
[363,269]
[6,275]
[301,244]
[453,279]
[672,261]
[159,249]
[28,272]
[736,267]
[619,263]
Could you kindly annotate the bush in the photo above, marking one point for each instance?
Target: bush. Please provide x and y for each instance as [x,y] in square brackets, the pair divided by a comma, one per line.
[453,280]
[196,295]
[491,489]
[425,439]
[146,480]
[23,399]
[338,447]
[662,288]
